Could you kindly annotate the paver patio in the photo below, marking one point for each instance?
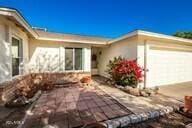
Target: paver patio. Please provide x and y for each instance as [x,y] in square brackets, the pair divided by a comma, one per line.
[74,106]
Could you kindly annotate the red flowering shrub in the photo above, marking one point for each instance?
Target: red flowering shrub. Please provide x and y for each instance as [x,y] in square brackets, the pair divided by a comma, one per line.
[125,72]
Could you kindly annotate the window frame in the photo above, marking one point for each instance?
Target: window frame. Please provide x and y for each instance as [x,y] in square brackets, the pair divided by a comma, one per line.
[20,54]
[74,70]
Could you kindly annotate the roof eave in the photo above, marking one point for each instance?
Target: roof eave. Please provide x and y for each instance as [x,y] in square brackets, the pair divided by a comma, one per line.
[131,34]
[73,41]
[163,36]
[150,34]
[13,13]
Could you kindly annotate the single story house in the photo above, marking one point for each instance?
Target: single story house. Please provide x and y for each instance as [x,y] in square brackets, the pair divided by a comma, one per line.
[24,49]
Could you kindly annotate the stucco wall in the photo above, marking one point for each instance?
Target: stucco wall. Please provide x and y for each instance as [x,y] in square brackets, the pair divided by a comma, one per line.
[126,48]
[48,56]
[5,59]
[7,30]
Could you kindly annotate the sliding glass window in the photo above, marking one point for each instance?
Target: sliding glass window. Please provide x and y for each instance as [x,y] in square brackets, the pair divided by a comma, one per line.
[73,59]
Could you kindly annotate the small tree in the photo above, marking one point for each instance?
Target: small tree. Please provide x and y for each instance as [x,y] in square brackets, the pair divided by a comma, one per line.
[187,35]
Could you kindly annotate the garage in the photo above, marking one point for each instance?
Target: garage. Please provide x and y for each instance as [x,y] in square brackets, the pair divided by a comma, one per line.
[168,65]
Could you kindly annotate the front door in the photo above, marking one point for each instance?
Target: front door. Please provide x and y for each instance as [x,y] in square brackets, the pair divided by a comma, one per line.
[16,55]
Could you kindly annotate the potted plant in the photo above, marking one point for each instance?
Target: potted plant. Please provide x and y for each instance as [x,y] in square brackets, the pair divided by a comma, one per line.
[188,104]
[86,80]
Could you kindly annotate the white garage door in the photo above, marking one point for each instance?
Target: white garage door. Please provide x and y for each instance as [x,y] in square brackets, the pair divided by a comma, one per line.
[168,67]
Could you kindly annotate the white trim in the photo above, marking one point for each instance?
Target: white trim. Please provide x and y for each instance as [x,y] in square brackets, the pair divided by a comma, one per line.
[82,70]
[73,59]
[20,48]
[72,40]
[19,18]
[163,36]
[131,34]
[63,58]
[150,34]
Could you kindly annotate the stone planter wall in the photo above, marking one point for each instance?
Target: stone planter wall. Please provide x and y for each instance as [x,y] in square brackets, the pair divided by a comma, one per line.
[7,89]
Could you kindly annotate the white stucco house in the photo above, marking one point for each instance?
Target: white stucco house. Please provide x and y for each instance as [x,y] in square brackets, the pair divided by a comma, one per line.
[24,49]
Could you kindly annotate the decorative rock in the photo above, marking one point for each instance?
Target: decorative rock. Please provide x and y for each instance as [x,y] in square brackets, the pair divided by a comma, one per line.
[169,109]
[143,93]
[134,91]
[119,86]
[144,116]
[112,124]
[162,112]
[154,114]
[124,121]
[134,118]
[176,107]
[127,89]
[109,82]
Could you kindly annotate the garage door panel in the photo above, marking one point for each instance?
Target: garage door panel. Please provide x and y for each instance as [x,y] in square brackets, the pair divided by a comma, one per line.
[168,67]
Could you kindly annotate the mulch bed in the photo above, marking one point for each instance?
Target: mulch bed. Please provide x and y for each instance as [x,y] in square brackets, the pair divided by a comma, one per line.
[74,106]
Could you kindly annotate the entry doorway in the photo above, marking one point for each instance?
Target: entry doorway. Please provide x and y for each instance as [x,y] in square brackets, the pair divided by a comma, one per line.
[94,60]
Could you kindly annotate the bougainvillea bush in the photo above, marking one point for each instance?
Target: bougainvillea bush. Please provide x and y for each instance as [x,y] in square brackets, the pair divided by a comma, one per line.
[125,72]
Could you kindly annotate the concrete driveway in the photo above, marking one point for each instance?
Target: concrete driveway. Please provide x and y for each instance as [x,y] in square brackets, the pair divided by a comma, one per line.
[177,91]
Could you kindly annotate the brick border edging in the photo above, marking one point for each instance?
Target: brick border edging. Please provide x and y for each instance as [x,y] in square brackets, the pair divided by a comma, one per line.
[138,118]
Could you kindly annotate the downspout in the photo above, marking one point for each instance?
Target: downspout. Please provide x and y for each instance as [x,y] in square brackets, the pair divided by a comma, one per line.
[145,63]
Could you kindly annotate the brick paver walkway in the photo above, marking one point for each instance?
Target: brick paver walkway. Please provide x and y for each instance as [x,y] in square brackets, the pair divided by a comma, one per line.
[136,104]
[74,106]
